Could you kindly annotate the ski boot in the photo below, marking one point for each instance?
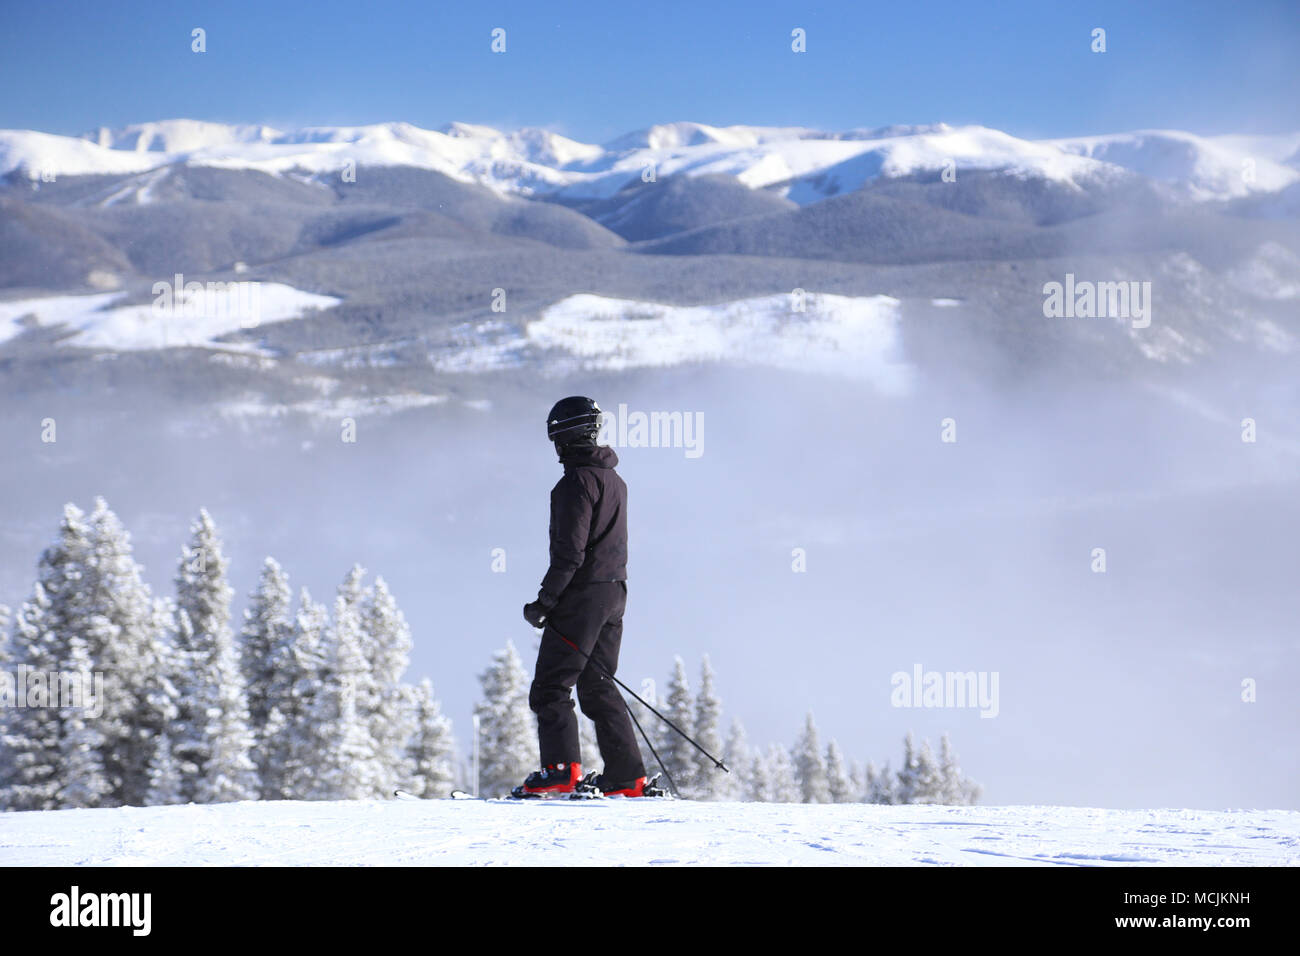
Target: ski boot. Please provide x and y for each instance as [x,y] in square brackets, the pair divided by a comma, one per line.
[556,780]
[640,787]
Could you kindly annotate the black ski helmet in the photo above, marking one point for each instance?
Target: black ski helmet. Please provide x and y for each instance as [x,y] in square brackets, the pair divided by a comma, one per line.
[573,419]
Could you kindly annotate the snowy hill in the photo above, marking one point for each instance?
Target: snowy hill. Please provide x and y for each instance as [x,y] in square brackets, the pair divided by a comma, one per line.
[457,833]
[805,164]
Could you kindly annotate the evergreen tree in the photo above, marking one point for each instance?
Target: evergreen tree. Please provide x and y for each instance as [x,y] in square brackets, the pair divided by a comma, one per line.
[302,670]
[928,785]
[905,792]
[810,765]
[211,739]
[736,755]
[347,763]
[89,612]
[507,727]
[126,632]
[431,754]
[388,709]
[675,751]
[881,785]
[708,715]
[919,780]
[164,776]
[957,788]
[266,639]
[81,762]
[755,787]
[782,786]
[839,780]
[30,735]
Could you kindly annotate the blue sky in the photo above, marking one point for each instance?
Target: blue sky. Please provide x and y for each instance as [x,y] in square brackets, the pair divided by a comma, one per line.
[594,70]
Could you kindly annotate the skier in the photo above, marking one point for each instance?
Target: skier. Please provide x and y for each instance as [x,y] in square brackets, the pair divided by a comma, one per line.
[581,601]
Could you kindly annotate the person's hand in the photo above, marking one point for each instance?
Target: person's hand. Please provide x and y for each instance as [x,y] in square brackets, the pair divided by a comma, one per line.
[535,613]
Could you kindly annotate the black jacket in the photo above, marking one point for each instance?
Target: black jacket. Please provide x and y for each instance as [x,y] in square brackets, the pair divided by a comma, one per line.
[588,522]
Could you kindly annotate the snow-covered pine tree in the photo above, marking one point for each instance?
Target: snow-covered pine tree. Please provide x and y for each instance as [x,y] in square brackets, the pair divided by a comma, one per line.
[29,735]
[810,765]
[186,731]
[881,785]
[300,674]
[507,727]
[164,776]
[388,709]
[89,607]
[348,766]
[432,752]
[708,716]
[126,633]
[81,760]
[782,784]
[230,774]
[928,780]
[919,780]
[905,790]
[675,751]
[213,709]
[857,782]
[266,639]
[756,788]
[957,788]
[738,758]
[839,781]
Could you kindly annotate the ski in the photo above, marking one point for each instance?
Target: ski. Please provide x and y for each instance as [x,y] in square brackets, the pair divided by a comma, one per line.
[531,798]
[585,791]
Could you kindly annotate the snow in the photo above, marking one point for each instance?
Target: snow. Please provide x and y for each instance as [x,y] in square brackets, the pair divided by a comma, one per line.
[201,317]
[53,310]
[616,832]
[1205,168]
[329,410]
[805,164]
[853,337]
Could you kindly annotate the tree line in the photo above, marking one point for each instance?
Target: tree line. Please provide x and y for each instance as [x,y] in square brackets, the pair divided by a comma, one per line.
[299,704]
[807,772]
[310,702]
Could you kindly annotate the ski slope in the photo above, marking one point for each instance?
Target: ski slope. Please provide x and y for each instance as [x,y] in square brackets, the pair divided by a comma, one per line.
[643,833]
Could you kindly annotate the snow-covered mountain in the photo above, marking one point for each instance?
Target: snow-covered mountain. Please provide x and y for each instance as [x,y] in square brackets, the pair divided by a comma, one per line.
[804,164]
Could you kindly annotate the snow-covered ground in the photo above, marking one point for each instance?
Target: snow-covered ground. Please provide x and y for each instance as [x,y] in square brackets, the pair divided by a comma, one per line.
[195,319]
[846,336]
[640,833]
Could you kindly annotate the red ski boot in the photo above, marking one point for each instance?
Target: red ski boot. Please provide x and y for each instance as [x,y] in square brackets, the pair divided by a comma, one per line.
[556,780]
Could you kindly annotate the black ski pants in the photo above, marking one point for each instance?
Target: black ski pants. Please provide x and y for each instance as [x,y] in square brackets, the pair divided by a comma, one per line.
[591,616]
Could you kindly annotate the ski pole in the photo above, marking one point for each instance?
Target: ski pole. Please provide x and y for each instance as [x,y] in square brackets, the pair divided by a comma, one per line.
[672,784]
[716,762]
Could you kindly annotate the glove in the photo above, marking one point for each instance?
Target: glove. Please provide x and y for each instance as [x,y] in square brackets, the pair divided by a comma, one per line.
[536,612]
